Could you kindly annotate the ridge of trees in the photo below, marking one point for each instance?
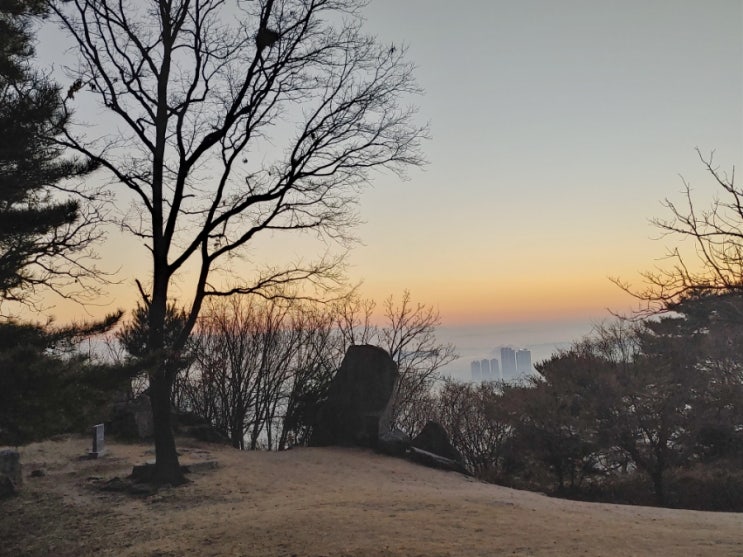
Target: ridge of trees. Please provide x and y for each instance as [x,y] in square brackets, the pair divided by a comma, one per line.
[647,406]
[257,370]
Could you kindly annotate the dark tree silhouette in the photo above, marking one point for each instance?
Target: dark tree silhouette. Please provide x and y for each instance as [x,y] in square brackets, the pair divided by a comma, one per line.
[235,125]
[47,386]
[717,234]
[44,239]
[409,336]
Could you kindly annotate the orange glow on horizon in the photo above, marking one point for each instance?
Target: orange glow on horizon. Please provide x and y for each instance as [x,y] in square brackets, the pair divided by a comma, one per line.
[457,303]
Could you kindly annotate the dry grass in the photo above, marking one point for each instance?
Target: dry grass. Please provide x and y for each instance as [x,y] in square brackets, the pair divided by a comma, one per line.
[324,502]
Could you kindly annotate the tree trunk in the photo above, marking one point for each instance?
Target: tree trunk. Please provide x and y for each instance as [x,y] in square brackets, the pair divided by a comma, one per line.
[167,467]
[255,432]
[236,433]
[659,488]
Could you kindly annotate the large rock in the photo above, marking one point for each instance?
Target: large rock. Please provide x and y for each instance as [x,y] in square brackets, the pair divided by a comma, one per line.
[357,406]
[10,473]
[435,461]
[132,419]
[196,427]
[393,443]
[432,447]
[433,438]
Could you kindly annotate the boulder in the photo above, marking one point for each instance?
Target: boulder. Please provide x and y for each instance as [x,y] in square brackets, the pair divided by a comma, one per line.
[358,400]
[434,439]
[393,443]
[435,461]
[203,432]
[10,473]
[132,419]
[433,448]
[190,424]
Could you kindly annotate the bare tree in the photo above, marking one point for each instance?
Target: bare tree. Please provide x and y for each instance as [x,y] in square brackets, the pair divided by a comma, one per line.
[319,353]
[410,338]
[467,412]
[256,362]
[717,235]
[262,367]
[354,320]
[204,93]
[222,386]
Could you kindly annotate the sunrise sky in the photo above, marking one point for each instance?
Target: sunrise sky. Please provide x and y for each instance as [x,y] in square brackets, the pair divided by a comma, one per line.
[557,130]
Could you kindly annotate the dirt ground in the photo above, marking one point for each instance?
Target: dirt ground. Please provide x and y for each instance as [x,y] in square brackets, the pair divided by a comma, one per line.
[323,502]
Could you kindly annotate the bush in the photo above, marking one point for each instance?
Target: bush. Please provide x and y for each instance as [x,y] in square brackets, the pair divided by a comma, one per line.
[710,487]
[43,393]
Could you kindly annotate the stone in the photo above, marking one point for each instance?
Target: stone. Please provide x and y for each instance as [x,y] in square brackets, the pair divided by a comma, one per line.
[191,425]
[435,461]
[200,467]
[143,473]
[99,445]
[132,419]
[393,443]
[188,419]
[434,439]
[432,447]
[11,477]
[206,432]
[358,399]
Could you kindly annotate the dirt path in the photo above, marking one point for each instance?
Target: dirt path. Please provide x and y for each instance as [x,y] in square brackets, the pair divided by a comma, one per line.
[324,502]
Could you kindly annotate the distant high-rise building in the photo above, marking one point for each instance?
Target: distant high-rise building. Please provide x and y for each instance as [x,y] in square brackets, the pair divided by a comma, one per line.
[508,361]
[476,370]
[485,370]
[495,370]
[523,361]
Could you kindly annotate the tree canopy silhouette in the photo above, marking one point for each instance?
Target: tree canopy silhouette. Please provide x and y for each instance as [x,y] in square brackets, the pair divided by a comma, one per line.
[44,238]
[716,266]
[236,122]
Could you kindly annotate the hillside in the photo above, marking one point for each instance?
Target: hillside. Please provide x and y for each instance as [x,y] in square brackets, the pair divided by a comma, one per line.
[323,502]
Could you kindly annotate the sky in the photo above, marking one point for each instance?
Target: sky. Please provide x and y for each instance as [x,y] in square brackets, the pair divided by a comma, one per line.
[557,129]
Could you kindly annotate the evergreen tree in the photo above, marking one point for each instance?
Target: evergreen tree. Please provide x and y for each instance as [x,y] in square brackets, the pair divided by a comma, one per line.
[47,386]
[43,239]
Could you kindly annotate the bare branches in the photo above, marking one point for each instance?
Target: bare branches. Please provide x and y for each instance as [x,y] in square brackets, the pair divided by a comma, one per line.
[410,338]
[717,236]
[234,128]
[60,260]
[200,99]
[49,220]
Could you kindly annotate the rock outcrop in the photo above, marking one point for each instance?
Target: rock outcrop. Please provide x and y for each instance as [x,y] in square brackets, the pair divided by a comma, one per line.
[394,443]
[356,409]
[433,438]
[432,447]
[131,419]
[196,427]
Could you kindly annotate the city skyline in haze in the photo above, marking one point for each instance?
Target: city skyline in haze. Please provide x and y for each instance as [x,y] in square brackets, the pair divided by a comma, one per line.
[556,131]
[513,363]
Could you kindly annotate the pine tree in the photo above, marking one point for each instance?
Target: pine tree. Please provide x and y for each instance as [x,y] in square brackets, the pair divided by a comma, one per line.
[43,238]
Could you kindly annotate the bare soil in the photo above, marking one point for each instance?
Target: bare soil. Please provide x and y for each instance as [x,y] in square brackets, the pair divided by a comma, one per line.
[322,502]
